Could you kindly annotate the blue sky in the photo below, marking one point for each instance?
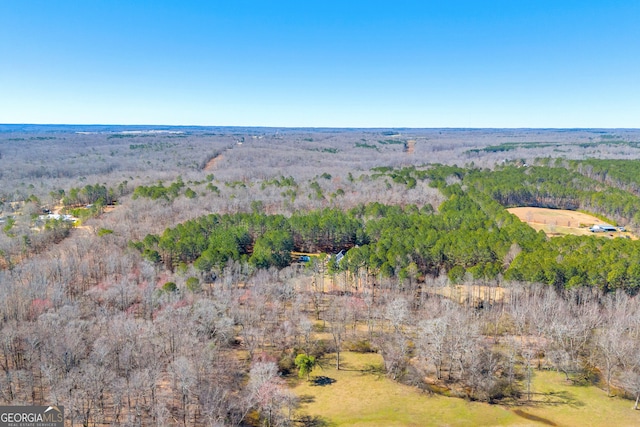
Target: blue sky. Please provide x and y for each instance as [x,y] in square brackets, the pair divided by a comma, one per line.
[448,63]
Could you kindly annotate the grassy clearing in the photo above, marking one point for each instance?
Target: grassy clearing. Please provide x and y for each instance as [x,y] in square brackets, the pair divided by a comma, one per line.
[355,398]
[568,405]
[559,222]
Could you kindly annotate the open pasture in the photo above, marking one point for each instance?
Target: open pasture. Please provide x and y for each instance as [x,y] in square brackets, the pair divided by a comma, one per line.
[360,395]
[560,222]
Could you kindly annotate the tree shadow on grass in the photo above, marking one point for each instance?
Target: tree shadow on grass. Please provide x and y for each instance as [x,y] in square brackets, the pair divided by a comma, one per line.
[313,421]
[551,398]
[556,398]
[373,369]
[306,398]
[322,381]
[535,418]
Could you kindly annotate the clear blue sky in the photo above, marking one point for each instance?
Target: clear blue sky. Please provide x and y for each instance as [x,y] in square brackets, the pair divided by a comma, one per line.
[446,63]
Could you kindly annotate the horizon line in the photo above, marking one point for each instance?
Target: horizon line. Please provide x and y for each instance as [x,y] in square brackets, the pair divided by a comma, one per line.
[315,127]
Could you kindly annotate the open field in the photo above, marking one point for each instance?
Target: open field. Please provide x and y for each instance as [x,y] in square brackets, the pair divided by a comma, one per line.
[474,293]
[358,398]
[559,222]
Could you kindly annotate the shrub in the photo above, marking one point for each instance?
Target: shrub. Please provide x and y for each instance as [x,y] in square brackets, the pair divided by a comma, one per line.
[305,364]
[104,232]
[169,287]
[193,284]
[359,346]
[321,348]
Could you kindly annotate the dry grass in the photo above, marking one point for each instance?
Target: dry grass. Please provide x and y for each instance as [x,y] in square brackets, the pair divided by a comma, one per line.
[568,405]
[474,293]
[211,164]
[360,396]
[560,222]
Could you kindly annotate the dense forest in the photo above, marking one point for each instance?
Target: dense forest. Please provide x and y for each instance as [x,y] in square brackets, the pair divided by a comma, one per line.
[470,233]
[188,276]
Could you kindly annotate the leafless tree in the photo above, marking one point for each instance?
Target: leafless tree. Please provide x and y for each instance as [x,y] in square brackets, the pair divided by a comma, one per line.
[337,316]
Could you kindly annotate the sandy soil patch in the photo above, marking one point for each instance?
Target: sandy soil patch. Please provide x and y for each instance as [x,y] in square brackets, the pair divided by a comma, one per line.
[211,164]
[411,145]
[560,222]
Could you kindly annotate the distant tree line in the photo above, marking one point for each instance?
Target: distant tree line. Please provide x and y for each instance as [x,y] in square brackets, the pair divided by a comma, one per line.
[555,187]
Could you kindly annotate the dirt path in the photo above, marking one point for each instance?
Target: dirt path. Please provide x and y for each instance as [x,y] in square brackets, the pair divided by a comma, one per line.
[211,164]
[411,145]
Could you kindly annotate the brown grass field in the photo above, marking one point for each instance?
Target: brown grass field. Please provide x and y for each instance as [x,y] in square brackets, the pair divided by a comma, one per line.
[472,293]
[559,222]
[361,395]
[211,164]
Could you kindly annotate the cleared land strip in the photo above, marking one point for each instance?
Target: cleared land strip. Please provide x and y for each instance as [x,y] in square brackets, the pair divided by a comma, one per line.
[560,222]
